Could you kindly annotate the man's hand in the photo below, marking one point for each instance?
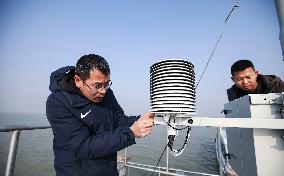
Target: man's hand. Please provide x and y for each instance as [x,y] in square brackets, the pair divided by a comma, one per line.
[143,126]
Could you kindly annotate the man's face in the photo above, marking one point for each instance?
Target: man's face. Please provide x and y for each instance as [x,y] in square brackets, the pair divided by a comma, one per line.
[246,79]
[94,88]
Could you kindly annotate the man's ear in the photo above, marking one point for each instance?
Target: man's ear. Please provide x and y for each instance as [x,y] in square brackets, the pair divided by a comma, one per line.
[232,79]
[78,81]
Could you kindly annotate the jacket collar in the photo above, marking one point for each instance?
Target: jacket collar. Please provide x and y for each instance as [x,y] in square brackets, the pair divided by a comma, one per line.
[76,100]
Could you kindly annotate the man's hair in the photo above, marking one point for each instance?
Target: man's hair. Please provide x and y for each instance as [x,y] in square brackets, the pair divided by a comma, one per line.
[241,65]
[87,63]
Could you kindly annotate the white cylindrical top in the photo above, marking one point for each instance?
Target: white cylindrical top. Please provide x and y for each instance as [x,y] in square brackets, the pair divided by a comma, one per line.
[172,87]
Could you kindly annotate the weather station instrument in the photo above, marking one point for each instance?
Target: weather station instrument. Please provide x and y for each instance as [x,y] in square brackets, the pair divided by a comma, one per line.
[258,117]
[172,95]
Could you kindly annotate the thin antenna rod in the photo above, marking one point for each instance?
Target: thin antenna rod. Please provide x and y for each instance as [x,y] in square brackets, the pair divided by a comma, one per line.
[218,41]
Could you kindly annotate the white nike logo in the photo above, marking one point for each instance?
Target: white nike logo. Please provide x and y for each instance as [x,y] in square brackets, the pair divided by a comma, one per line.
[84,115]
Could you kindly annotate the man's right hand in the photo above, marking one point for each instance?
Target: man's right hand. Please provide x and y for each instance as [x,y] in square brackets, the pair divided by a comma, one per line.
[143,126]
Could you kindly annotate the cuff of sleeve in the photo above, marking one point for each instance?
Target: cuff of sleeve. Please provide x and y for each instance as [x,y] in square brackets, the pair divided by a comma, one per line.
[133,119]
[128,136]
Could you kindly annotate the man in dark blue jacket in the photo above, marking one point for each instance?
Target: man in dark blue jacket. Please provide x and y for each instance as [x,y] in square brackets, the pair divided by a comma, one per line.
[88,124]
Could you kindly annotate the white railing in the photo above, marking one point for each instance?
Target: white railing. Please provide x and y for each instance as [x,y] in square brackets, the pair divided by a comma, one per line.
[16,130]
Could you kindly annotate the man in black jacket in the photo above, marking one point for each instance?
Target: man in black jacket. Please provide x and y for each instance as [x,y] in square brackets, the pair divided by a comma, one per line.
[248,81]
[88,124]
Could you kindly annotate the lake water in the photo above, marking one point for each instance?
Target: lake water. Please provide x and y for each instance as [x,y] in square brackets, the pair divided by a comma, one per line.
[35,155]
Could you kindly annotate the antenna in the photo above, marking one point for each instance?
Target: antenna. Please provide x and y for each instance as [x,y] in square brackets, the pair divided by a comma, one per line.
[228,18]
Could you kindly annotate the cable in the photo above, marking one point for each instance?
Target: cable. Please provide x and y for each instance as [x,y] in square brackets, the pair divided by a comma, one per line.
[281,111]
[172,138]
[217,43]
[175,127]
[179,151]
[160,159]
[170,144]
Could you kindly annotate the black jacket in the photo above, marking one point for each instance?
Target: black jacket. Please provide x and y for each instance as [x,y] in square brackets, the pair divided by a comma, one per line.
[266,84]
[87,135]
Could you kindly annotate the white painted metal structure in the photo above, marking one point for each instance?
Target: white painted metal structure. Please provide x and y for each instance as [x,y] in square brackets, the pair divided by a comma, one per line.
[279,5]
[172,98]
[255,136]
[257,151]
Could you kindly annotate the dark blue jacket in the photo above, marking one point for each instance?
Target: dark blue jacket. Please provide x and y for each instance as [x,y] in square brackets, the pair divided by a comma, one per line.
[87,135]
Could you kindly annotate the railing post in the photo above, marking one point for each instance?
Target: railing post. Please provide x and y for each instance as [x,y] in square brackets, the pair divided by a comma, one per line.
[12,153]
[125,156]
[125,162]
[167,156]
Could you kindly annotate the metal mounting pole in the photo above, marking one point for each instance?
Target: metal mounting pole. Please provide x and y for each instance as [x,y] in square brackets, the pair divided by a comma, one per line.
[167,164]
[279,5]
[12,153]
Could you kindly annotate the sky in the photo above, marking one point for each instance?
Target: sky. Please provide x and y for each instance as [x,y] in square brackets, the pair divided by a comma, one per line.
[38,37]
